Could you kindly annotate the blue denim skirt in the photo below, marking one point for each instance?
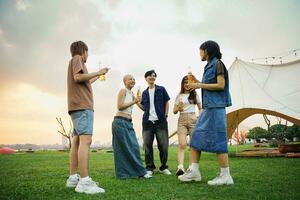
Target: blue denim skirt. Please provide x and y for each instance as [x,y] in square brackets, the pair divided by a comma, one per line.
[209,133]
[128,162]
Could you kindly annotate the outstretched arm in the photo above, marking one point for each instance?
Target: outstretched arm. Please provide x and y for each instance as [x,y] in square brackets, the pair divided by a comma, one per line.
[94,79]
[210,86]
[220,85]
[80,77]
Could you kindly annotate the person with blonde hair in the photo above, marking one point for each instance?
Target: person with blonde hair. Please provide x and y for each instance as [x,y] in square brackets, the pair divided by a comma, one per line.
[127,158]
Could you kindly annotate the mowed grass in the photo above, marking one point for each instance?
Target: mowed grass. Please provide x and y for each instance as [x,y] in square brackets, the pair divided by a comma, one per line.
[42,175]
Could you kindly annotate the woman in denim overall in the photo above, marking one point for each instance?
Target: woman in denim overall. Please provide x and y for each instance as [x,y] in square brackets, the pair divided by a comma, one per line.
[210,134]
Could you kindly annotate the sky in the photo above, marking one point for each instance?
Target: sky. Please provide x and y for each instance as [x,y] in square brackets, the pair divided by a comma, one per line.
[130,37]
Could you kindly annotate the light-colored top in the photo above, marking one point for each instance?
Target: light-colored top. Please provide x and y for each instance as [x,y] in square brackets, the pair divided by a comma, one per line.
[128,98]
[152,112]
[187,106]
[80,95]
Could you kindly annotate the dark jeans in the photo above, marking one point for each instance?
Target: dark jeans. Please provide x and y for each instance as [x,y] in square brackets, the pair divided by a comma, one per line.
[160,131]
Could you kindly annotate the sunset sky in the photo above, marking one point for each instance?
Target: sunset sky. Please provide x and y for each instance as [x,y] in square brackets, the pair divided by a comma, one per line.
[131,37]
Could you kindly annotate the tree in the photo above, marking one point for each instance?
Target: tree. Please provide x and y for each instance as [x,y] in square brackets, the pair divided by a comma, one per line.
[278,131]
[297,132]
[292,131]
[240,137]
[267,121]
[257,133]
[63,131]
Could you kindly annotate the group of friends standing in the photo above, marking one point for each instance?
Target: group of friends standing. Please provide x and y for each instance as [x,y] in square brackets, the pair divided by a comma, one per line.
[207,132]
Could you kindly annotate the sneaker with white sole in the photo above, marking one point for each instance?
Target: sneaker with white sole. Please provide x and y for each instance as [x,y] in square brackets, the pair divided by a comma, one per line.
[88,187]
[72,181]
[165,171]
[149,172]
[221,180]
[147,175]
[190,175]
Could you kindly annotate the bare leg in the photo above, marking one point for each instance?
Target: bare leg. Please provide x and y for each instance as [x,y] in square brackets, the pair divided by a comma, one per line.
[181,148]
[224,178]
[74,155]
[223,160]
[194,155]
[83,154]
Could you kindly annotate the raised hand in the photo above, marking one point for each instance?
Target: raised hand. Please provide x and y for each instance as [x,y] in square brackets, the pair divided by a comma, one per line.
[180,106]
[137,99]
[103,71]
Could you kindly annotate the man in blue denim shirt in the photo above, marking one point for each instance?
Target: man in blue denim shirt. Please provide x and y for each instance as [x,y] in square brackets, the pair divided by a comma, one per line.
[155,104]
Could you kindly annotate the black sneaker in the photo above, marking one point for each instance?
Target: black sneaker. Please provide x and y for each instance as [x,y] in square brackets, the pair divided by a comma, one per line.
[179,172]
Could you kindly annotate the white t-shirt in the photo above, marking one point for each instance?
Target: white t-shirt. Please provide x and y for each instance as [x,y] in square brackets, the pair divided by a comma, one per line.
[152,112]
[187,106]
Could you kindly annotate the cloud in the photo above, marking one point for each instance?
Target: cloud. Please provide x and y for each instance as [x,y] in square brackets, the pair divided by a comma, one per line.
[131,37]
[43,46]
[134,38]
[21,5]
[28,114]
[21,100]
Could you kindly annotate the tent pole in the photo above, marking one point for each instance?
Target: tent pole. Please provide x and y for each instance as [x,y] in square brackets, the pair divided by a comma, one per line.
[237,131]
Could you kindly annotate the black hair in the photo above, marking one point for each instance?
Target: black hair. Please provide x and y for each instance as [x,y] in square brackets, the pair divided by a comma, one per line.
[212,48]
[150,72]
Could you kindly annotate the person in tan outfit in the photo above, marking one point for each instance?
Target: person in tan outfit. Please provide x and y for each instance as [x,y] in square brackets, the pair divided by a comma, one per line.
[185,103]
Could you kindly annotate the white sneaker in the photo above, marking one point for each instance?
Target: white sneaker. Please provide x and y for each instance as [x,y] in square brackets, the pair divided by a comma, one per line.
[89,187]
[165,171]
[221,180]
[147,175]
[190,175]
[72,181]
[149,172]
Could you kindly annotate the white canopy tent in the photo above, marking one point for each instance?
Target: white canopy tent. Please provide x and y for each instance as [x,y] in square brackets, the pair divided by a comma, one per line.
[265,89]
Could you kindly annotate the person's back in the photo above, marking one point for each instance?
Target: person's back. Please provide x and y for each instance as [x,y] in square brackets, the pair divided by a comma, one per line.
[81,110]
[80,95]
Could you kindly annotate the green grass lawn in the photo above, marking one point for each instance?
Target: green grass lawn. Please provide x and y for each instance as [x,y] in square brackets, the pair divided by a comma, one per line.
[42,175]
